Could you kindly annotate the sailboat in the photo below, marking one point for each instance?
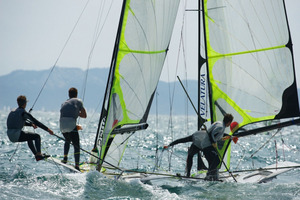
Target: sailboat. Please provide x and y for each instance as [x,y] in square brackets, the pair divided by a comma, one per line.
[249,66]
[141,46]
[245,63]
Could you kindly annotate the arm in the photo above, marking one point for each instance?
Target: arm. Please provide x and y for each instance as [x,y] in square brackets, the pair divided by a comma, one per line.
[171,144]
[230,137]
[82,113]
[181,140]
[28,116]
[27,123]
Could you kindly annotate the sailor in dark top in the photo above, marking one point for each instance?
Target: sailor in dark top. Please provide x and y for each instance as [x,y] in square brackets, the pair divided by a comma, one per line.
[19,118]
[69,112]
[206,141]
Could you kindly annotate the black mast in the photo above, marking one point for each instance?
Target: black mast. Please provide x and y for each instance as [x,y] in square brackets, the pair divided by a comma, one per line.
[201,62]
[109,83]
[204,60]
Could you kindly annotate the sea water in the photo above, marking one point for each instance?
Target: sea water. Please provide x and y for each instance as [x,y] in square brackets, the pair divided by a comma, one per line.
[21,177]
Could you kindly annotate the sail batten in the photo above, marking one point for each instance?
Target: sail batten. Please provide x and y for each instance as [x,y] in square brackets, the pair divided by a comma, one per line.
[246,52]
[143,52]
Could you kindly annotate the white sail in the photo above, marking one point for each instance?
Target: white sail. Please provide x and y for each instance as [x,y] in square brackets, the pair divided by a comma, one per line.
[142,42]
[249,60]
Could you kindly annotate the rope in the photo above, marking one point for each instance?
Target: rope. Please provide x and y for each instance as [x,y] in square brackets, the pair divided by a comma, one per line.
[89,153]
[158,160]
[172,93]
[295,150]
[96,36]
[97,33]
[10,159]
[155,173]
[175,154]
[69,37]
[265,143]
[242,157]
[50,158]
[276,153]
[156,124]
[52,162]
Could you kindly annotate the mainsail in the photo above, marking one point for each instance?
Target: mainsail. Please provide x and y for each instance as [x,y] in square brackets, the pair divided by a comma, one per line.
[141,46]
[249,60]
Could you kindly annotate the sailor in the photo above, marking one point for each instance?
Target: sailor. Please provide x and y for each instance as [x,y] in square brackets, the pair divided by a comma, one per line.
[206,141]
[69,112]
[19,118]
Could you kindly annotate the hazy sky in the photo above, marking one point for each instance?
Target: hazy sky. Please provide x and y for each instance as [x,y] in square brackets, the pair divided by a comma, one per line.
[34,32]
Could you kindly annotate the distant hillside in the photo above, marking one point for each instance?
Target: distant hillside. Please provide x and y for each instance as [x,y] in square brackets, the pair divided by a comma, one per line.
[55,92]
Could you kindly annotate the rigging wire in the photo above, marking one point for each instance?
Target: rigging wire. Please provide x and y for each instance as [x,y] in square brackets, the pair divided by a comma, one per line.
[283,143]
[116,167]
[158,167]
[276,153]
[10,159]
[181,158]
[50,158]
[97,33]
[93,44]
[156,124]
[159,160]
[282,146]
[242,157]
[170,122]
[138,157]
[172,94]
[278,130]
[60,54]
[244,151]
[186,76]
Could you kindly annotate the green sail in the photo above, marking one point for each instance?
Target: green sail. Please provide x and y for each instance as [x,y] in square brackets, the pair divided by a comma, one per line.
[141,46]
[249,61]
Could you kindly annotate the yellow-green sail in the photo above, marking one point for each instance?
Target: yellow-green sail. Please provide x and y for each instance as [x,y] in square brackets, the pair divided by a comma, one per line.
[249,61]
[142,42]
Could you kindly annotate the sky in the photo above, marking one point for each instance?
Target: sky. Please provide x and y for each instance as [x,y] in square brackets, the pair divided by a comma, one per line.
[34,33]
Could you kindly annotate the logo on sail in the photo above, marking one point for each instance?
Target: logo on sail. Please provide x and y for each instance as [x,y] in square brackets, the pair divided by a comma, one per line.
[203,95]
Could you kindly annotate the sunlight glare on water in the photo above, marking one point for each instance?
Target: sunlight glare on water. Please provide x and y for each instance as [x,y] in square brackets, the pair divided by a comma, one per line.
[24,178]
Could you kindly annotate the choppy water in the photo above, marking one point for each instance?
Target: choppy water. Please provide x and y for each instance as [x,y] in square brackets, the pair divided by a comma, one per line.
[24,178]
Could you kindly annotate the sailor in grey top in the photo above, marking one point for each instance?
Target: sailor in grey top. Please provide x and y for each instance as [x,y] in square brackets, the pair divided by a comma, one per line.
[206,141]
[69,113]
[70,110]
[202,139]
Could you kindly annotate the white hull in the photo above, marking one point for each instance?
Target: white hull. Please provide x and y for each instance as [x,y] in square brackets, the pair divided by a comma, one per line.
[58,162]
[257,176]
[263,175]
